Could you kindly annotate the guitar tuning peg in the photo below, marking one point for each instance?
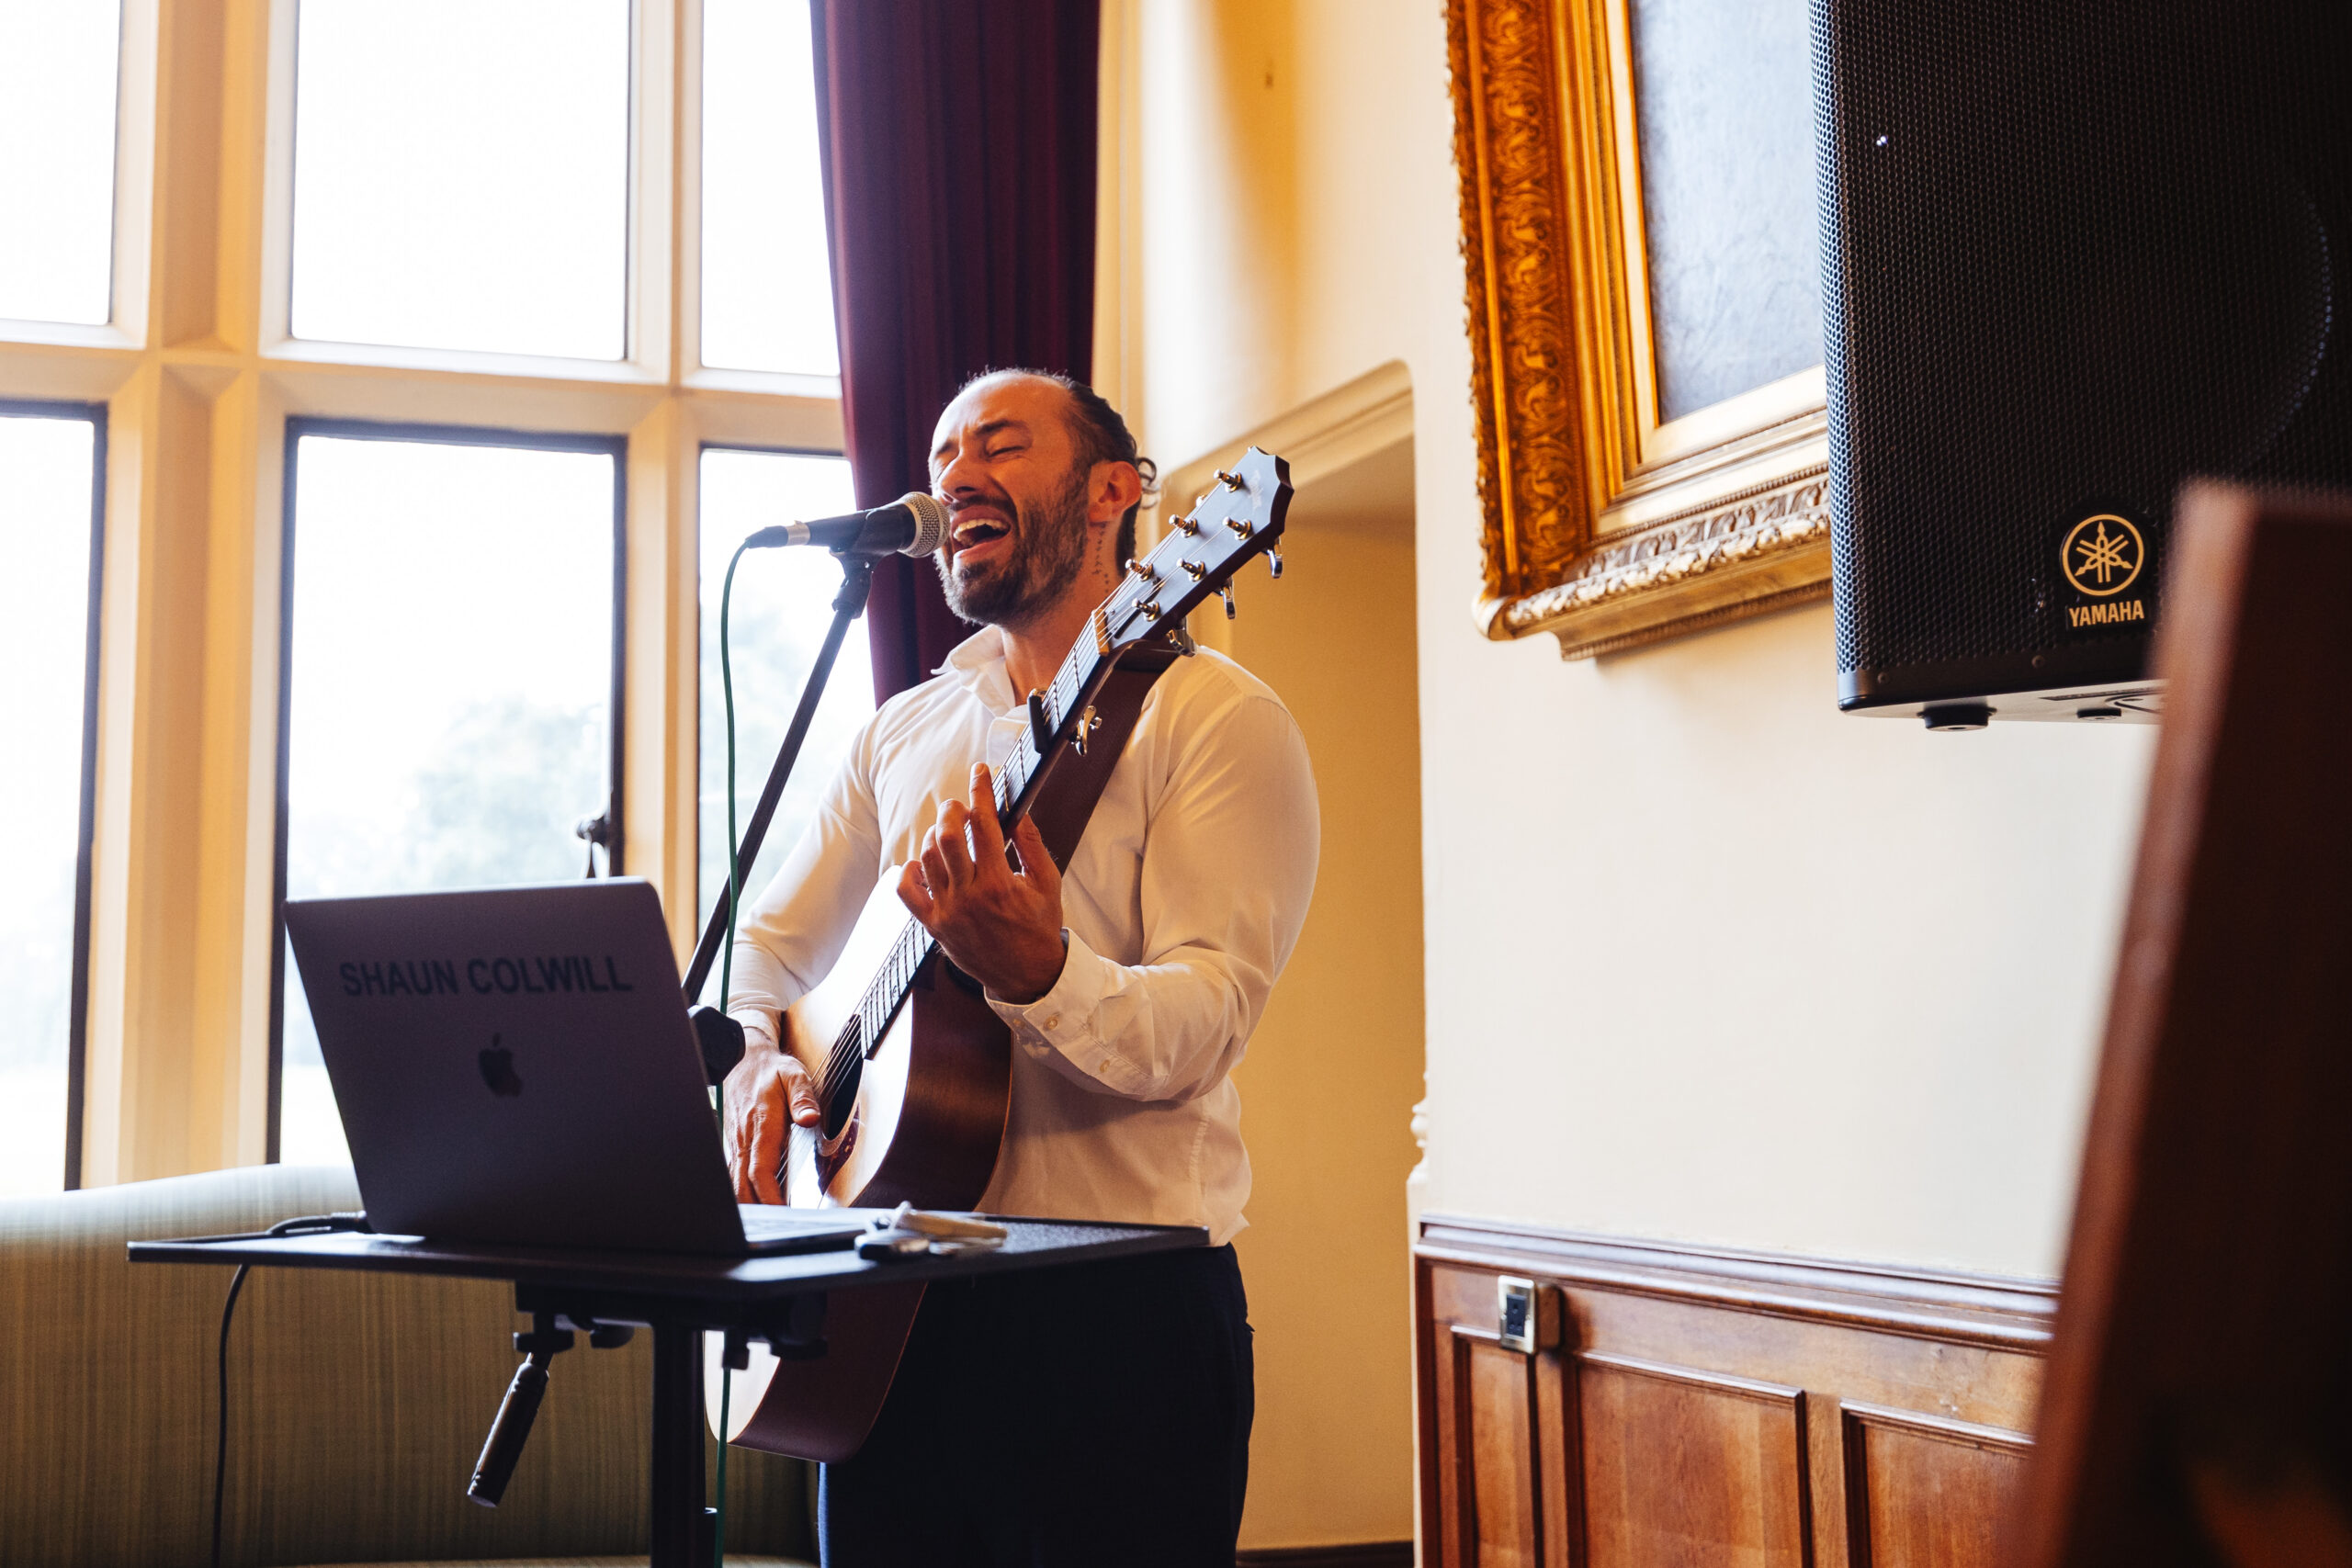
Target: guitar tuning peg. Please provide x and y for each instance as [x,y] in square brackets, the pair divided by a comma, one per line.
[1274,563]
[1226,595]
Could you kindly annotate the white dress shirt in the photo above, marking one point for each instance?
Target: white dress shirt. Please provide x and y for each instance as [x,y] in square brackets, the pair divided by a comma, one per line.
[1180,906]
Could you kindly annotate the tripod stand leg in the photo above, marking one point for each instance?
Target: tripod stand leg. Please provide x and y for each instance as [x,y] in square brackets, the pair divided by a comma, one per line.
[677,1448]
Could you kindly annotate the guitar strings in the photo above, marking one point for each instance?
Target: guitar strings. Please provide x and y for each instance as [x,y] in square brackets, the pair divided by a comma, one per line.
[881,999]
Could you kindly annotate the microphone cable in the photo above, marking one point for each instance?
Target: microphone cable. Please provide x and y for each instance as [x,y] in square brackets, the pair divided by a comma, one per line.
[307,1225]
[726,986]
[718,1525]
[734,873]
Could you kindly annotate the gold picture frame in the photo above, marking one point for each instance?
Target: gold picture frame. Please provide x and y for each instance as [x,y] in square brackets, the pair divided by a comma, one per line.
[1603,525]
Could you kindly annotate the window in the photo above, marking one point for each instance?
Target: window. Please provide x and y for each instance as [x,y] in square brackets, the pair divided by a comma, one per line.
[768,286]
[49,462]
[783,602]
[406,639]
[451,680]
[57,121]
[461,175]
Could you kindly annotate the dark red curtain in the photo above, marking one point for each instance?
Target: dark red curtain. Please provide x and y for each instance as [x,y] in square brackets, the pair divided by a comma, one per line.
[959,184]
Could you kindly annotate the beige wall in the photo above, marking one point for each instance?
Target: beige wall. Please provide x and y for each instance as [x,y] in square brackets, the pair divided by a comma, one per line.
[1335,1065]
[1704,959]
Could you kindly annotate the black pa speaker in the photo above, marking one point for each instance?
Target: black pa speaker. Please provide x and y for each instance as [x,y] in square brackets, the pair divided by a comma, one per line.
[2074,252]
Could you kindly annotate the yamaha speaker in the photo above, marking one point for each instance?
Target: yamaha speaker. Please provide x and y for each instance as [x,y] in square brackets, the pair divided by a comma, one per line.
[2074,252]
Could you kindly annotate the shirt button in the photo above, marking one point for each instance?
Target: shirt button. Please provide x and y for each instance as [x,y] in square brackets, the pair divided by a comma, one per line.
[1055,1021]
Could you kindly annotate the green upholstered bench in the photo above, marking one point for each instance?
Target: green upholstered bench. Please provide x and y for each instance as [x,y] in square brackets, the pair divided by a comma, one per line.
[357,1404]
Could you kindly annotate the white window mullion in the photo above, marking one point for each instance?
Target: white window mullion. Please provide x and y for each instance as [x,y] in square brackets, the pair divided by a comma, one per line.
[137,196]
[661,187]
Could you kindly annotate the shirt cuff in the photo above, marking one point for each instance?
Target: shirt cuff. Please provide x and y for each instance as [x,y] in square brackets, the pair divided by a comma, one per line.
[758,1027]
[1064,1016]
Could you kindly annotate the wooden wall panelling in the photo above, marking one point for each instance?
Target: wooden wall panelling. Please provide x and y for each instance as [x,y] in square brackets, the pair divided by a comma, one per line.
[1923,1492]
[1500,1521]
[1499,1416]
[1711,1407]
[1561,1481]
[1688,1466]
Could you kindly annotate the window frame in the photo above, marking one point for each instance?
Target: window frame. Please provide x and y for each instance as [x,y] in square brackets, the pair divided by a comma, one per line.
[617,755]
[78,991]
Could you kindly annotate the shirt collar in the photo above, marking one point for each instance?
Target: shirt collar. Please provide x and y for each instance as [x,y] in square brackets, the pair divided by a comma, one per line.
[976,664]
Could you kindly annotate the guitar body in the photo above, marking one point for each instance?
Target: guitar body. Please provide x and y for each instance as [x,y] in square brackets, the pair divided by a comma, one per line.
[821,1409]
[920,1124]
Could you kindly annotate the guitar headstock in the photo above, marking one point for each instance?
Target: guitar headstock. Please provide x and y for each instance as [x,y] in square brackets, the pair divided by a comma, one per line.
[1241,518]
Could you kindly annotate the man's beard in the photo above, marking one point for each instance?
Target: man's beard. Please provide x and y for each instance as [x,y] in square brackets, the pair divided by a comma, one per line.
[1048,552]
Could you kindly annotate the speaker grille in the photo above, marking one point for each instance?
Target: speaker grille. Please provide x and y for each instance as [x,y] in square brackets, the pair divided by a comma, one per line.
[2073,253]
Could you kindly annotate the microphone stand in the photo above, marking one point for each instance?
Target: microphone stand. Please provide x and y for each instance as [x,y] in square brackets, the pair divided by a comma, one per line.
[721,1037]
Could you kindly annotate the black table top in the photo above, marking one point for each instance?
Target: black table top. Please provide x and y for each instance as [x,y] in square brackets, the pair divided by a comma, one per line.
[1032,1243]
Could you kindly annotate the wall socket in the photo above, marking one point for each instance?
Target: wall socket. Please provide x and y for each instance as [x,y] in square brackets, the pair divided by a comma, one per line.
[1527,1317]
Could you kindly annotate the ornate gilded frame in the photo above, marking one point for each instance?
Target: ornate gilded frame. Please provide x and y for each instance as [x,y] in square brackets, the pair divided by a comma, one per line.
[1603,525]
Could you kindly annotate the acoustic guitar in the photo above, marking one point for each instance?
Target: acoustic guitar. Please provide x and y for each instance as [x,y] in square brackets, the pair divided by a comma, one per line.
[912,1070]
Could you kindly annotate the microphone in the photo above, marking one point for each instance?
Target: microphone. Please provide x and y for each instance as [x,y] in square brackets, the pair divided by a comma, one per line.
[914,524]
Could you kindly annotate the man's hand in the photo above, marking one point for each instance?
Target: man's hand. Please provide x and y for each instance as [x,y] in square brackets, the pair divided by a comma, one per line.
[1001,927]
[768,1092]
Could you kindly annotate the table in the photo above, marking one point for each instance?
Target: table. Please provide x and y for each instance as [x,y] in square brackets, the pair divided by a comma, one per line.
[680,1297]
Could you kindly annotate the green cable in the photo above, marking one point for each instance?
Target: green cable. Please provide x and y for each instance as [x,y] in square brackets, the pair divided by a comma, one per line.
[719,1530]
[726,987]
[734,876]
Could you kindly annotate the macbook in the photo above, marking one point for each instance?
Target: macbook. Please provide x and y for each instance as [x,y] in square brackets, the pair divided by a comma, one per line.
[515,1065]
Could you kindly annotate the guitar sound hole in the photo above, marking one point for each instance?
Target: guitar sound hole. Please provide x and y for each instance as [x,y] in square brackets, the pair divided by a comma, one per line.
[843,1100]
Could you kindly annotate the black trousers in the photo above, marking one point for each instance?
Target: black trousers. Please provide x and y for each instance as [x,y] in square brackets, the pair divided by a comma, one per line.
[1093,1415]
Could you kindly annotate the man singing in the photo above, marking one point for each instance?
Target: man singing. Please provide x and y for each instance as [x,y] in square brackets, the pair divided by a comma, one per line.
[1099,1414]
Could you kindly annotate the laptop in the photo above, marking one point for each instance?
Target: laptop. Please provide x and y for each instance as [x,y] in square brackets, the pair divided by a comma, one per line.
[514,1065]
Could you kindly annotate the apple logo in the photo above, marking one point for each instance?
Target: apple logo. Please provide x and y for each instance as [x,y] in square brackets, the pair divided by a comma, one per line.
[498,1070]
